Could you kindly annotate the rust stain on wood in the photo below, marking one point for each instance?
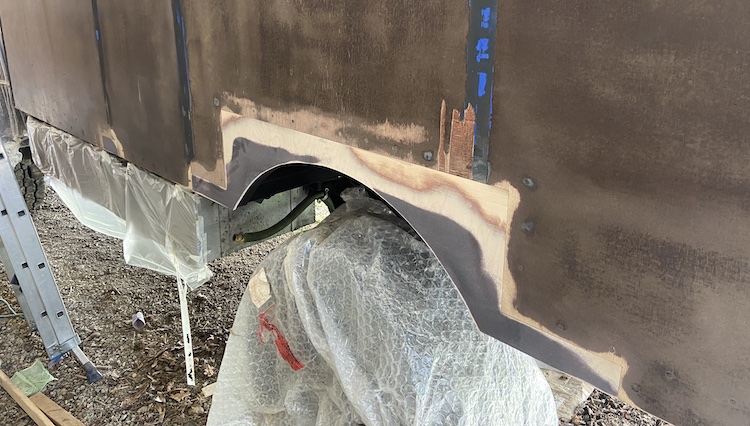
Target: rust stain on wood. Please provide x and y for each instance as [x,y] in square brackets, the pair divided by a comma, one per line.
[457,159]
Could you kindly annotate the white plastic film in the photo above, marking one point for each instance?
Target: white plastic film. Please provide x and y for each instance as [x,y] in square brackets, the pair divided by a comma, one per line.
[159,222]
[88,212]
[163,228]
[382,336]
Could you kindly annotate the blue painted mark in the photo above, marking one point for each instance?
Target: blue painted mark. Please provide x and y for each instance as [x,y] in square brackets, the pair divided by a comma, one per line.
[97,35]
[482,89]
[486,13]
[483,45]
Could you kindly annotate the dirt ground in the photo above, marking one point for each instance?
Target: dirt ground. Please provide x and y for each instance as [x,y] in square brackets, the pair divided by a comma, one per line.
[144,376]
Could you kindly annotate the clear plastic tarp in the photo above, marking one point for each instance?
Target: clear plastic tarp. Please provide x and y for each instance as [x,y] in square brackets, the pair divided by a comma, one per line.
[362,325]
[160,223]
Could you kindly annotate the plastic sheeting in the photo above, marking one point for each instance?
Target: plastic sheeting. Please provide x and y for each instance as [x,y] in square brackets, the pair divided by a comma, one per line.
[13,150]
[160,223]
[164,228]
[381,334]
[33,379]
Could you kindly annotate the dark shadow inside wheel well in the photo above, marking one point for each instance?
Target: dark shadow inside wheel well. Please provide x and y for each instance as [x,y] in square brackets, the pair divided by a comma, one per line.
[291,176]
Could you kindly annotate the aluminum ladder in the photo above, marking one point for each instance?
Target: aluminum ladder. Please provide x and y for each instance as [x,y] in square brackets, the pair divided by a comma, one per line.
[30,274]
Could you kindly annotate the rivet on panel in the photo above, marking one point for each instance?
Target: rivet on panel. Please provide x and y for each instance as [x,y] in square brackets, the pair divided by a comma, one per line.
[428,155]
[217,102]
[561,325]
[529,182]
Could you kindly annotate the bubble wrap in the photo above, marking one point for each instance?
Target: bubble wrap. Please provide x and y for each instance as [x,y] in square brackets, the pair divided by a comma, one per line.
[384,337]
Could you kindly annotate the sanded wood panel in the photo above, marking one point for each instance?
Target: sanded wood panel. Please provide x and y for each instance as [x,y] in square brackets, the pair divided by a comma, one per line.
[142,81]
[333,69]
[54,63]
[631,120]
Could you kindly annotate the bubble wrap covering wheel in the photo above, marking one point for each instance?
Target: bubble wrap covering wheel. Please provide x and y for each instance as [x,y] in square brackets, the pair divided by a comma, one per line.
[384,337]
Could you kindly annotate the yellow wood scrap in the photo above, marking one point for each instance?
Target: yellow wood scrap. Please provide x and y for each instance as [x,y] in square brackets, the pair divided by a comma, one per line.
[57,414]
[24,402]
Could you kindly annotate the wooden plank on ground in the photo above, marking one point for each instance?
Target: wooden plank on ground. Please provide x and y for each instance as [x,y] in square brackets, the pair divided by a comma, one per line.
[568,391]
[57,414]
[209,390]
[24,402]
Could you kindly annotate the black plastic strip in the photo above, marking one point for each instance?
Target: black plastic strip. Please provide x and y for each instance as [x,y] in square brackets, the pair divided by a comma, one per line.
[183,70]
[100,48]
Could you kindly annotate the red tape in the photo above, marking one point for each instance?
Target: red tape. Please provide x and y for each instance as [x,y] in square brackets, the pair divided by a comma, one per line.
[281,344]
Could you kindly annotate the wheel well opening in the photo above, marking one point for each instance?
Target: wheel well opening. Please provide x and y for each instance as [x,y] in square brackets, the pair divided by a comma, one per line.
[311,177]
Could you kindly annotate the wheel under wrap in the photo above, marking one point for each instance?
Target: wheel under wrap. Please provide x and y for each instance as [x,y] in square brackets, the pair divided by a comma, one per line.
[362,325]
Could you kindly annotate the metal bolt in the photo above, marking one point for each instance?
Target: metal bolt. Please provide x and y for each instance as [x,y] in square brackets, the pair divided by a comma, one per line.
[520,268]
[427,155]
[529,183]
[561,325]
[217,102]
[528,226]
[636,388]
[480,170]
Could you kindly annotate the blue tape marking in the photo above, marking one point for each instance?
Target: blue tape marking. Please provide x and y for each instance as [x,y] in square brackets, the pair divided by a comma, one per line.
[97,35]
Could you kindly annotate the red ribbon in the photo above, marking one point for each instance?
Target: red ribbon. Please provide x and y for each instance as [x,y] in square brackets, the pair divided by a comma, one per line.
[281,344]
